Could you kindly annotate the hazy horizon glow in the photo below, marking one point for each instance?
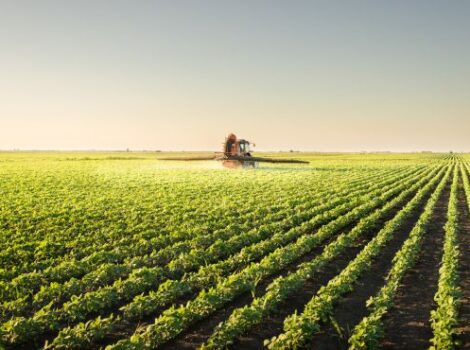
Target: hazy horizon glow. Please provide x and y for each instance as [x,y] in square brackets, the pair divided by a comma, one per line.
[179,75]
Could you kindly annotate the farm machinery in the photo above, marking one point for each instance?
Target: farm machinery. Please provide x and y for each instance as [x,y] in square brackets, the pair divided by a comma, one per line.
[236,153]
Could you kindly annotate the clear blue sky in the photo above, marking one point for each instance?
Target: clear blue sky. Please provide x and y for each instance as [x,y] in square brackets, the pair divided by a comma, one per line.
[308,75]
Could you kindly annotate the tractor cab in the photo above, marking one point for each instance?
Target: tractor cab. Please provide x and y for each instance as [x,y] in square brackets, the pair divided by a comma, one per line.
[244,148]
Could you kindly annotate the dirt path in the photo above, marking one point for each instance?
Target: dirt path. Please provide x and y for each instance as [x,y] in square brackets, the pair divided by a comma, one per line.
[464,245]
[407,324]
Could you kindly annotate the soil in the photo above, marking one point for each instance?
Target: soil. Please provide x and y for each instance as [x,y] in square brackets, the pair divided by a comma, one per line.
[352,308]
[407,324]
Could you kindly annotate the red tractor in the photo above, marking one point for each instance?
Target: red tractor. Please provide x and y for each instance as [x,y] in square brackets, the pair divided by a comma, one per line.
[236,153]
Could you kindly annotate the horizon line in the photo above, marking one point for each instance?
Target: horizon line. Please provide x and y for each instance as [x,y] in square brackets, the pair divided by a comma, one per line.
[207,151]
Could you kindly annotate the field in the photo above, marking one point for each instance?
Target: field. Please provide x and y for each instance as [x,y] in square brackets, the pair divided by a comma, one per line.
[123,251]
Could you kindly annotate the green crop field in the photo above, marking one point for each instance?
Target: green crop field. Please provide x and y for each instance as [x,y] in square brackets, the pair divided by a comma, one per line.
[121,250]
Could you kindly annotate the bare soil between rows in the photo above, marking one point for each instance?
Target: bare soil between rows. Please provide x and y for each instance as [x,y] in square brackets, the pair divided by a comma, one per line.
[351,309]
[407,324]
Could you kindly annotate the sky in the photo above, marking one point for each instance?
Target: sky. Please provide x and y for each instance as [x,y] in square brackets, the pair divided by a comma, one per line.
[351,75]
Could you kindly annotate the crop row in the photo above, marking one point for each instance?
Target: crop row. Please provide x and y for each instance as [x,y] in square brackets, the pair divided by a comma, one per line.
[298,328]
[142,221]
[176,319]
[30,256]
[368,333]
[245,318]
[97,192]
[79,307]
[444,318]
[27,284]
[109,272]
[81,335]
